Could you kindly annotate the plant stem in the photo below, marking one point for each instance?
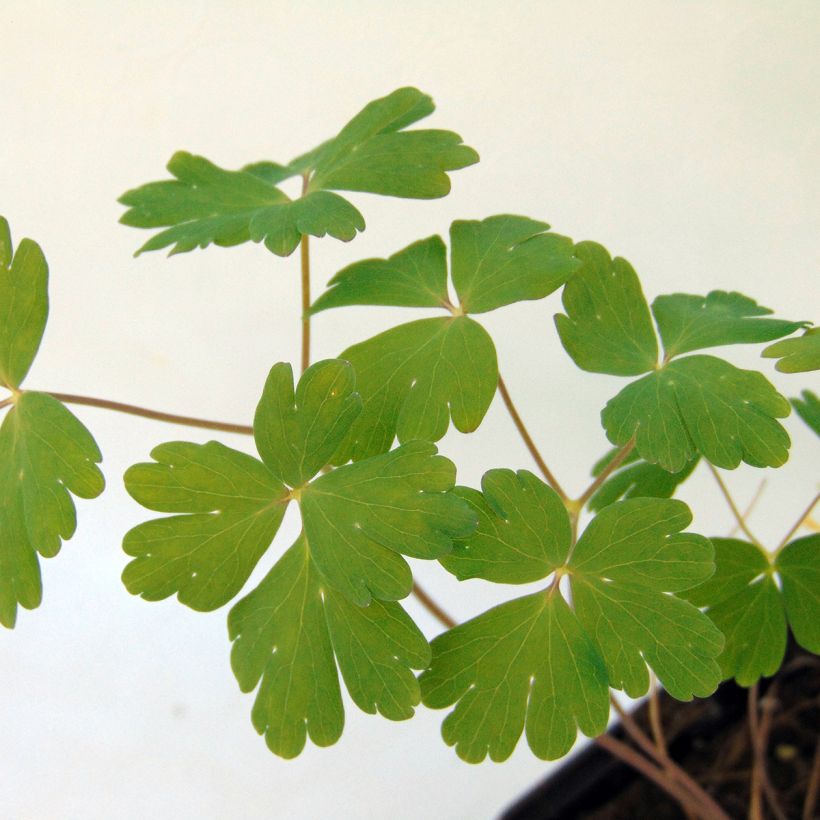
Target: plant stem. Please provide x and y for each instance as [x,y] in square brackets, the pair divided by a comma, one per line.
[610,468]
[750,506]
[741,521]
[638,762]
[542,466]
[655,718]
[6,402]
[304,249]
[814,786]
[759,732]
[788,536]
[432,607]
[157,415]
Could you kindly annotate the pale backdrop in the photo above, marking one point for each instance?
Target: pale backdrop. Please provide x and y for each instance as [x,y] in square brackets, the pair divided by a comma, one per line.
[683,135]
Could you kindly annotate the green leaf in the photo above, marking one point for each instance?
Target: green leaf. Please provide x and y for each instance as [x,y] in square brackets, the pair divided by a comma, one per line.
[373,153]
[234,506]
[414,277]
[23,306]
[414,378]
[797,355]
[298,433]
[359,518]
[207,204]
[523,530]
[607,328]
[689,322]
[286,634]
[524,664]
[700,404]
[799,568]
[636,478]
[46,454]
[808,408]
[506,259]
[629,558]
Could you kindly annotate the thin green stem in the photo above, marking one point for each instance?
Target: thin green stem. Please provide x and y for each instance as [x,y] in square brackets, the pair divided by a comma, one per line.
[610,468]
[304,250]
[527,439]
[797,524]
[741,521]
[156,415]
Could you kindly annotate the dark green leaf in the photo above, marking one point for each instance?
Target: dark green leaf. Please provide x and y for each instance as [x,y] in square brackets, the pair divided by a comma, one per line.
[414,277]
[234,506]
[808,408]
[636,478]
[414,378]
[630,556]
[689,322]
[799,568]
[286,633]
[527,663]
[506,259]
[45,455]
[359,518]
[523,530]
[607,328]
[700,404]
[23,306]
[797,355]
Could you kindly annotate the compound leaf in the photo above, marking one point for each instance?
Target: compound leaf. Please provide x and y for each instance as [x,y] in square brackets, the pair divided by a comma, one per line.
[700,405]
[797,355]
[628,559]
[373,153]
[413,277]
[799,568]
[359,517]
[286,634]
[297,432]
[23,305]
[808,408]
[607,328]
[743,601]
[414,378]
[506,259]
[523,530]
[636,478]
[688,322]
[527,664]
[46,454]
[233,507]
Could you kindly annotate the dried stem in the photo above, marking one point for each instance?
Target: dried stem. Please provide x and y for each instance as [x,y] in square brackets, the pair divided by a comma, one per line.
[655,718]
[741,521]
[432,607]
[814,786]
[759,732]
[545,471]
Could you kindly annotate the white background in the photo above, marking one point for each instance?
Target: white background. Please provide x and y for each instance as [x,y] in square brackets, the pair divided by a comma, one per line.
[682,135]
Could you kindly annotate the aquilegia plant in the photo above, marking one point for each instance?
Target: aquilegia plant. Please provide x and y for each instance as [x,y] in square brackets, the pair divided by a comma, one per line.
[351,443]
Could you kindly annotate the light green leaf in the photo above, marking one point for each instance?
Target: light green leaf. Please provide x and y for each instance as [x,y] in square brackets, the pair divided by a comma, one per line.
[636,478]
[234,506]
[46,454]
[808,408]
[23,306]
[689,322]
[358,518]
[700,404]
[373,153]
[524,664]
[630,556]
[414,378]
[797,355]
[286,633]
[297,434]
[523,530]
[506,259]
[743,601]
[799,568]
[607,328]
[413,277]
